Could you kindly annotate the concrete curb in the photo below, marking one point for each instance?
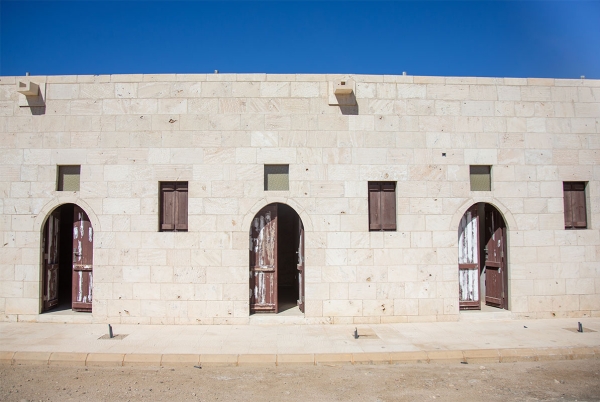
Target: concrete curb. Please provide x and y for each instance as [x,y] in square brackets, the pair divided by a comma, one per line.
[475,356]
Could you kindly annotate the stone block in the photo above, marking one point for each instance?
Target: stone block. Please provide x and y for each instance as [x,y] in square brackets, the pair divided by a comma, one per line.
[342,308]
[372,358]
[67,359]
[62,91]
[582,352]
[296,359]
[409,357]
[142,360]
[518,355]
[445,356]
[179,360]
[333,359]
[257,360]
[31,358]
[478,356]
[219,360]
[549,354]
[6,358]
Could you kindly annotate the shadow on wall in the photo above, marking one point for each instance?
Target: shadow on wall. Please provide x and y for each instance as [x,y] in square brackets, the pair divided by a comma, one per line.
[38,110]
[348,104]
[349,110]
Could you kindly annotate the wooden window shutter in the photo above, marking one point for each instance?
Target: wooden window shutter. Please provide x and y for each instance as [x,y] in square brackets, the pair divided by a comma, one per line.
[181,206]
[374,203]
[388,206]
[382,206]
[173,206]
[575,206]
[167,221]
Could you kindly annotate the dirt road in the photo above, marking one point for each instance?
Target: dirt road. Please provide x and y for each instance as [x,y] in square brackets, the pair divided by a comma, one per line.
[548,381]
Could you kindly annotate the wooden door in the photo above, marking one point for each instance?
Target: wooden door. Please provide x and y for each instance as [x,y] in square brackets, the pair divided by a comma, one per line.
[50,247]
[263,261]
[300,265]
[468,261]
[83,247]
[495,259]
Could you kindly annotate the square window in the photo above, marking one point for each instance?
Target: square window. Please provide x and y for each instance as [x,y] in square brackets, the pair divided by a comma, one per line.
[481,178]
[68,178]
[575,205]
[382,205]
[277,177]
[173,206]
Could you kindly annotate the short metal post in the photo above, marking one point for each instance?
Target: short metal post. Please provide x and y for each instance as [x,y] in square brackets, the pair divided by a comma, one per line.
[579,327]
[355,333]
[110,333]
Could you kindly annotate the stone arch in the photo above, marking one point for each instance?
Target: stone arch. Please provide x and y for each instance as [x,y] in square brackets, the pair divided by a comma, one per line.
[263,202]
[509,219]
[56,202]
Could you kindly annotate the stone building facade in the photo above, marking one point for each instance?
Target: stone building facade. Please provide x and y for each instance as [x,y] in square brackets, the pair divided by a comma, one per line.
[387,197]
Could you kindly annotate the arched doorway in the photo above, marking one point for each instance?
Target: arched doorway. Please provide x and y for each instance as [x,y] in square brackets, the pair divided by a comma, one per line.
[67,260]
[482,258]
[276,260]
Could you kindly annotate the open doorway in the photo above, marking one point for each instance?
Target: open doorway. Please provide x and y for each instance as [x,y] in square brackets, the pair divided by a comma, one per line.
[67,260]
[482,259]
[277,261]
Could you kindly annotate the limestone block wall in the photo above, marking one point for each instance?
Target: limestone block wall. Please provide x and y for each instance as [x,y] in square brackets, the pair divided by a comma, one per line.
[216,131]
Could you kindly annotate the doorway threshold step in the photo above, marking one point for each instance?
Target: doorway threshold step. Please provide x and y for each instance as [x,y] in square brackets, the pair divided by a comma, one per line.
[74,318]
[477,315]
[275,319]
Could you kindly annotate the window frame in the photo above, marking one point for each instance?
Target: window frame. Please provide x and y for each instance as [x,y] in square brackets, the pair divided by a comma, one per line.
[575,205]
[267,166]
[178,221]
[60,173]
[382,209]
[471,173]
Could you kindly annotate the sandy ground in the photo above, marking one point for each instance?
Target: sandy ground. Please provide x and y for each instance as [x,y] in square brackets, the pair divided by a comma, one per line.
[549,381]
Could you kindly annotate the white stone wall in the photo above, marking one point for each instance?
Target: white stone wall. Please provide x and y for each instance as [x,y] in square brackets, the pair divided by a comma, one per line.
[128,132]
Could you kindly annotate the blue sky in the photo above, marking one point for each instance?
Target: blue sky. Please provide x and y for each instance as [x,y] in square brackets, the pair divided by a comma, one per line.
[472,38]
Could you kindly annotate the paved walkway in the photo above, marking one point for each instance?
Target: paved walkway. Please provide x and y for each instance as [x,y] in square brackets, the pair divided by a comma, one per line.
[154,345]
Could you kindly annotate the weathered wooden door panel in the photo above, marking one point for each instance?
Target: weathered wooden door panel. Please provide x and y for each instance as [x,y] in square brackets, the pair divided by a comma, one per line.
[51,259]
[495,266]
[83,248]
[263,261]
[300,265]
[468,260]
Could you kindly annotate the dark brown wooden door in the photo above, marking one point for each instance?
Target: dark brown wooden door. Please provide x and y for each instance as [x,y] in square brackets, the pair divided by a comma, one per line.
[263,261]
[300,265]
[496,278]
[83,248]
[468,261]
[51,249]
